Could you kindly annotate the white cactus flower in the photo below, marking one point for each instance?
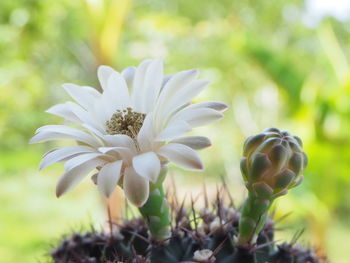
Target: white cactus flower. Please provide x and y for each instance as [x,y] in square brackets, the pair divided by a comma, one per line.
[129,129]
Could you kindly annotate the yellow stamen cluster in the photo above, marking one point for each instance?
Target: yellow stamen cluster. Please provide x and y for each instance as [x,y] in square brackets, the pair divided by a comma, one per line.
[125,122]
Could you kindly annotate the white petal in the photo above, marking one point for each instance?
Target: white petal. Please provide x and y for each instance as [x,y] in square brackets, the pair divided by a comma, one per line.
[181,155]
[76,114]
[62,154]
[145,135]
[166,79]
[64,111]
[147,165]
[85,117]
[103,109]
[119,140]
[85,96]
[183,97]
[110,101]
[119,91]
[96,130]
[125,153]
[209,104]
[128,74]
[138,86]
[197,117]
[72,177]
[173,130]
[108,177]
[152,84]
[173,85]
[103,74]
[54,132]
[195,142]
[136,187]
[80,159]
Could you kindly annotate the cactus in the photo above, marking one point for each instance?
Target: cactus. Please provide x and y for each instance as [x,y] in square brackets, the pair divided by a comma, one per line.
[204,236]
[273,162]
[127,134]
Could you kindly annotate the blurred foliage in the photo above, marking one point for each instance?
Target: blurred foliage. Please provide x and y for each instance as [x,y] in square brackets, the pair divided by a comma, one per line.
[263,61]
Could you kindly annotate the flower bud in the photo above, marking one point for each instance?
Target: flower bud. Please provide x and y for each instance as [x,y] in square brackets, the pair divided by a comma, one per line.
[273,162]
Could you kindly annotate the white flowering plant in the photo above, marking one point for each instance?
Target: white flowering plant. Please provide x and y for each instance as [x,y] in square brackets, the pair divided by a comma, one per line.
[129,132]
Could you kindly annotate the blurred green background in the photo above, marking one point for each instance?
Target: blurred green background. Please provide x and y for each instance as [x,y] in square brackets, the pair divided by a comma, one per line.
[275,63]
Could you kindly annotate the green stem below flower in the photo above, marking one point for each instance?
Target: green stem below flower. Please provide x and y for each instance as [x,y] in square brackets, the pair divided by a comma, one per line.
[253,218]
[156,210]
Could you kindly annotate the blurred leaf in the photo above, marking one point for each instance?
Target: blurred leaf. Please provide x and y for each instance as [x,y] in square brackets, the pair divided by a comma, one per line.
[278,67]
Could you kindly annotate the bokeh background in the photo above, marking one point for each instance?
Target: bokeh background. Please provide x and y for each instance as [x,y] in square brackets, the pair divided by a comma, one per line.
[275,63]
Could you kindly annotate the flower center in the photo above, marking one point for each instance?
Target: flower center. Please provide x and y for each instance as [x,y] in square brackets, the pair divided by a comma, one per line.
[125,122]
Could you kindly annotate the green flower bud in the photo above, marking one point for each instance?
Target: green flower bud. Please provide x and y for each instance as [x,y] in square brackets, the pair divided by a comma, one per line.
[273,162]
[251,143]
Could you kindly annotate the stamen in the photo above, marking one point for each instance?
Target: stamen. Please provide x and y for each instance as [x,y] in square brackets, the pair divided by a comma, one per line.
[125,122]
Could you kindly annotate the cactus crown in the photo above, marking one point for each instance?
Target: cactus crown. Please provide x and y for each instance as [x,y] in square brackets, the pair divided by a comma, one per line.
[273,162]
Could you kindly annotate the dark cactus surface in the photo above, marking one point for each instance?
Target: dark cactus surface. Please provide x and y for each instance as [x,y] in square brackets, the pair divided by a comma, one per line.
[204,236]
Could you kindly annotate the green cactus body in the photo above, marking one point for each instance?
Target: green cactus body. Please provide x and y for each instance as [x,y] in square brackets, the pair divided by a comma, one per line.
[133,244]
[272,163]
[156,210]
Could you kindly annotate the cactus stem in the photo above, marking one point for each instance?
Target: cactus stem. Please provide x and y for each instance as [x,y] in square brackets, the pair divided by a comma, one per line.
[253,218]
[156,211]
